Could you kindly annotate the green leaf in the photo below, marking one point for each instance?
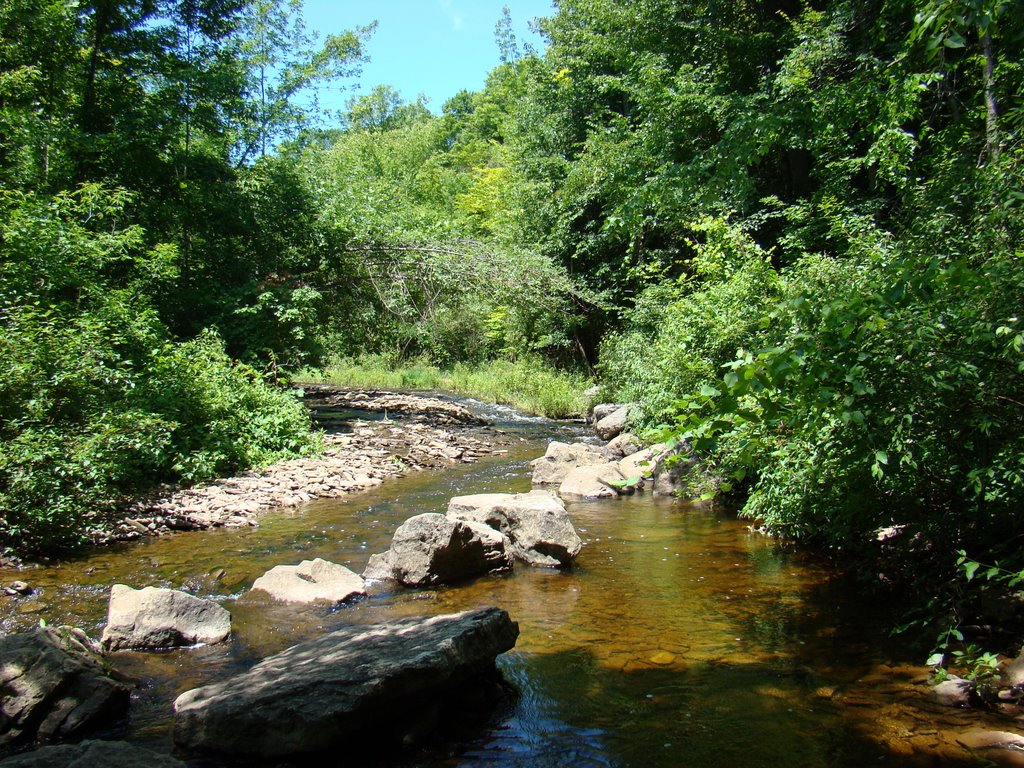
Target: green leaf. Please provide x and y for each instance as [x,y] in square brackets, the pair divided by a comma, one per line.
[954,40]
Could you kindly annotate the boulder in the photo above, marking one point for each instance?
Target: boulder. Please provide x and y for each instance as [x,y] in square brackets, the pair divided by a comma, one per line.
[640,464]
[952,692]
[431,549]
[161,618]
[671,470]
[1012,674]
[562,458]
[624,445]
[54,687]
[92,754]
[613,424]
[536,525]
[370,685]
[602,481]
[311,581]
[601,410]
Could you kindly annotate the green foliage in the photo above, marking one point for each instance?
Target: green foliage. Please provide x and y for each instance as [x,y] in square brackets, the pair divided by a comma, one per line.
[528,384]
[679,335]
[97,402]
[822,229]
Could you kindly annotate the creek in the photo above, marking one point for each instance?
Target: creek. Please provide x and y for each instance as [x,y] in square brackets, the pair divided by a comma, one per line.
[679,638]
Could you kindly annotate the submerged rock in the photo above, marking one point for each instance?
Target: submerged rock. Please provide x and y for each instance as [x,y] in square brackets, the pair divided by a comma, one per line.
[161,618]
[432,549]
[92,754]
[311,581]
[561,458]
[54,687]
[369,685]
[535,524]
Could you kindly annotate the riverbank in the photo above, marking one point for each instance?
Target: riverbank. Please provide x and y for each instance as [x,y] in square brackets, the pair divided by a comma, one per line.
[527,385]
[411,433]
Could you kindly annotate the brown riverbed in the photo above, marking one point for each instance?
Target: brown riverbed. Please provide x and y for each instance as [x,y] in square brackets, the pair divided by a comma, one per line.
[681,638]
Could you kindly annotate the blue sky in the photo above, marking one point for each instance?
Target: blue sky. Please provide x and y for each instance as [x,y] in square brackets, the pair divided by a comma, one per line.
[434,47]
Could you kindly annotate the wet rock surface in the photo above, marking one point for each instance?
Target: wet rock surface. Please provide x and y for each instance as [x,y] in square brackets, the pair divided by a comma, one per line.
[153,617]
[92,754]
[358,455]
[310,581]
[55,687]
[433,549]
[372,685]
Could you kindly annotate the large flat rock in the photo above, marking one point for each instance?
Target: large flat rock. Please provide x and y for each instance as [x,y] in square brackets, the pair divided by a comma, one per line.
[54,687]
[561,458]
[600,481]
[535,524]
[357,685]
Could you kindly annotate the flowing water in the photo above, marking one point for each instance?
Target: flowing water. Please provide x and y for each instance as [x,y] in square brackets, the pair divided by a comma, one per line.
[680,637]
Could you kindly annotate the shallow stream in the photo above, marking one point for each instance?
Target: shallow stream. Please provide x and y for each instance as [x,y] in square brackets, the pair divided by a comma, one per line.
[680,637]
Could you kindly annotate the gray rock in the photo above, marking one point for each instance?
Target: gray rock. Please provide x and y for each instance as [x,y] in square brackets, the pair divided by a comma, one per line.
[1012,673]
[601,410]
[92,754]
[54,687]
[953,692]
[311,581]
[602,481]
[672,468]
[359,684]
[431,549]
[161,618]
[613,424]
[624,445]
[1002,748]
[640,465]
[535,524]
[562,458]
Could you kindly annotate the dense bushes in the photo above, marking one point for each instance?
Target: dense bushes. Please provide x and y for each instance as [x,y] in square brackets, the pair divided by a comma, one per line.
[97,402]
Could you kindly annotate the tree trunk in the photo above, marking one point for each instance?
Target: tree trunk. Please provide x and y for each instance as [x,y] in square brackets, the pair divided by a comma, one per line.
[991,107]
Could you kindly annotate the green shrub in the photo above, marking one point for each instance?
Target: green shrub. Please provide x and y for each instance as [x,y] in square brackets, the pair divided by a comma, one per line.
[528,383]
[97,403]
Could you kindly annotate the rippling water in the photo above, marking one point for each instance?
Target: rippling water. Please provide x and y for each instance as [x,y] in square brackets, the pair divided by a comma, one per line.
[680,638]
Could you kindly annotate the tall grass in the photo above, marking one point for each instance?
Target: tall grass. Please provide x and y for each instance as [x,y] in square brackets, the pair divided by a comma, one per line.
[527,384]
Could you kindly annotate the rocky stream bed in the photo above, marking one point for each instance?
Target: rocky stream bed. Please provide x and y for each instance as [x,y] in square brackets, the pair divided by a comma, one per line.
[359,454]
[680,636]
